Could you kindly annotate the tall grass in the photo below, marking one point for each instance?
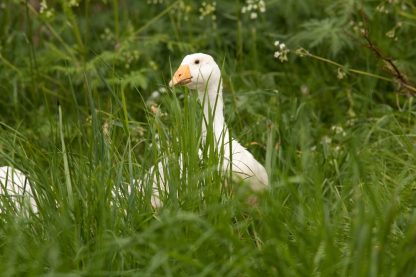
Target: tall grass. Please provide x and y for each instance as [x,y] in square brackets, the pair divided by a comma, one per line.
[85,113]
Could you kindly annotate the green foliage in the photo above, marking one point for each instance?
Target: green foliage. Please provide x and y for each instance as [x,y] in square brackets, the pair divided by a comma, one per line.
[339,146]
[327,32]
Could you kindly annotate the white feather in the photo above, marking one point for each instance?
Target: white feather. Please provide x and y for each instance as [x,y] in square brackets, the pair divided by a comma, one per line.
[15,188]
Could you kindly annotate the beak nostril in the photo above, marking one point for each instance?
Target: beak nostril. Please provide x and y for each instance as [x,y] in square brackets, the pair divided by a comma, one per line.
[182,76]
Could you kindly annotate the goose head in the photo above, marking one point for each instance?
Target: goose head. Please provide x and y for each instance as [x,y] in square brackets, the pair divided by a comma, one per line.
[197,71]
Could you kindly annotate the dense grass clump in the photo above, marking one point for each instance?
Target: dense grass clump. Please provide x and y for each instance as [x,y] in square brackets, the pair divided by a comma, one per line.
[85,111]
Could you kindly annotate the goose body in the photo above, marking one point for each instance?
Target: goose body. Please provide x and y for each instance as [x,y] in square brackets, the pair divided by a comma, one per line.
[16,189]
[201,73]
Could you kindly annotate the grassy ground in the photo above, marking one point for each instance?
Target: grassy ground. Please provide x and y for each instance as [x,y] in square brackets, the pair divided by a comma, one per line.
[85,109]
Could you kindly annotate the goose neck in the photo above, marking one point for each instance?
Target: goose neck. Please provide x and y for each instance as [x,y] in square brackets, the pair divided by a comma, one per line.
[212,101]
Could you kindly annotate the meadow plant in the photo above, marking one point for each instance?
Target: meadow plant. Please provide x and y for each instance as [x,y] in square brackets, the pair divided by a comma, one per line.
[85,112]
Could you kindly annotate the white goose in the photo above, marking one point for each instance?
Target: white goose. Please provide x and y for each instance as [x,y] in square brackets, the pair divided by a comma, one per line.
[200,72]
[15,188]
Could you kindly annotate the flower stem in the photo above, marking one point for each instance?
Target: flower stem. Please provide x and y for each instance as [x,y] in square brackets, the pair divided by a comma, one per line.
[357,71]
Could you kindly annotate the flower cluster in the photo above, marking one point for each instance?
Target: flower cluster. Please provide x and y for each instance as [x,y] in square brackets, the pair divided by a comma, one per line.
[107,131]
[333,143]
[326,140]
[107,35]
[358,27]
[155,95]
[130,57]
[253,7]
[341,73]
[73,3]
[388,6]
[304,89]
[281,52]
[183,10]
[154,2]
[207,9]
[381,8]
[392,33]
[338,130]
[45,10]
[153,65]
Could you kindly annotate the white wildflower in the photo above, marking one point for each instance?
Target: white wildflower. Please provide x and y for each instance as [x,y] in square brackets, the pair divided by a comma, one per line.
[281,52]
[73,3]
[182,10]
[380,8]
[162,90]
[358,27]
[154,2]
[153,65]
[155,94]
[337,129]
[341,73]
[391,33]
[106,132]
[304,89]
[326,140]
[45,10]
[262,6]
[43,6]
[208,9]
[107,35]
[254,7]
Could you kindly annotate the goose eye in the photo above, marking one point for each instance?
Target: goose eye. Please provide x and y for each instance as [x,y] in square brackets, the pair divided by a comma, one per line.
[196,61]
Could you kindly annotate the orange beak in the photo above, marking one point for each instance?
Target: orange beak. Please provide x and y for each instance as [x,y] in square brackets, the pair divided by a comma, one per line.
[182,76]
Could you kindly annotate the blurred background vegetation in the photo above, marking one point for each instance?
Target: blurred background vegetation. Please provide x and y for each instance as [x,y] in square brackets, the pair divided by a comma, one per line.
[334,124]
